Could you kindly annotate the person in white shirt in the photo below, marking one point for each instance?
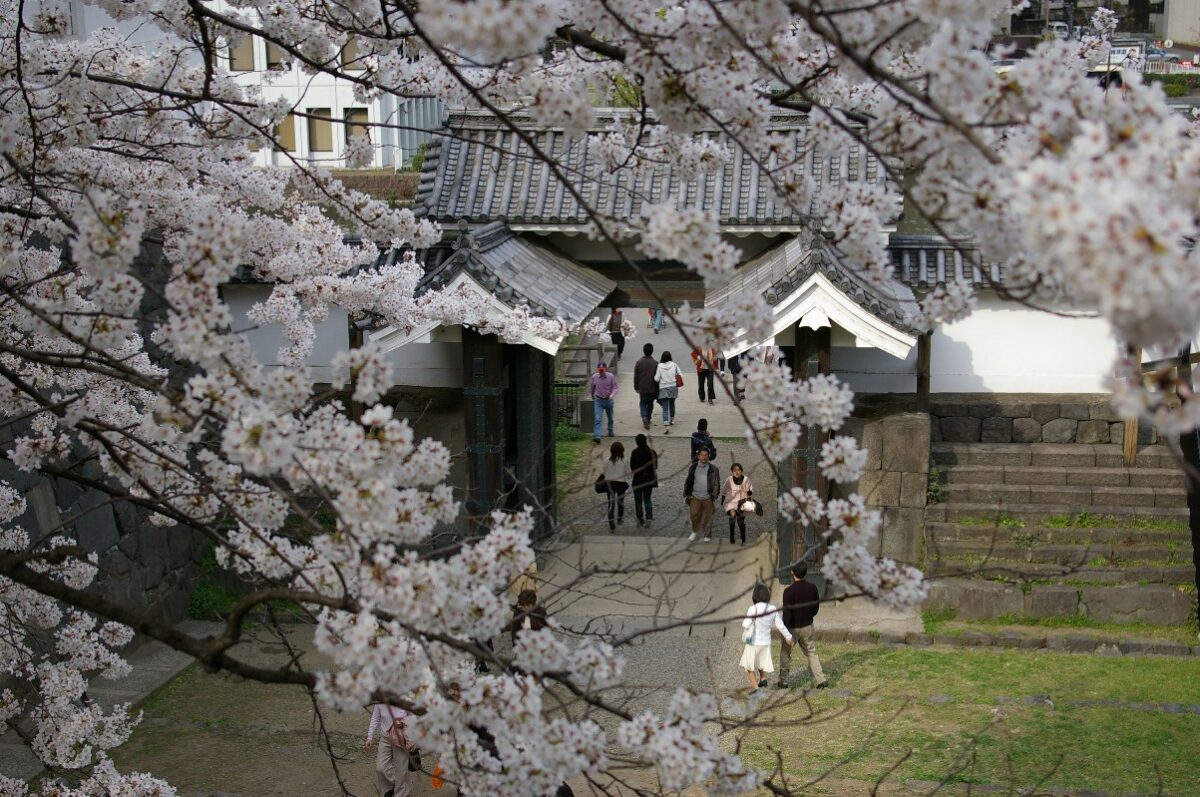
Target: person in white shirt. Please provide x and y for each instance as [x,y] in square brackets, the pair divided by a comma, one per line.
[617,477]
[760,618]
[667,377]
[391,761]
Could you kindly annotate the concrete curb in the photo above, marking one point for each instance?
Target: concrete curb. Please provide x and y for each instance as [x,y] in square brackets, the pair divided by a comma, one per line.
[978,639]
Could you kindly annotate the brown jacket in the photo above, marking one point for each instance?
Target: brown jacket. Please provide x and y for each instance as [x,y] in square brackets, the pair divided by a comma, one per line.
[643,376]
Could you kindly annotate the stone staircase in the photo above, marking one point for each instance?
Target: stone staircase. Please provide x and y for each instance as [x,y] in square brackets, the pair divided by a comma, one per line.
[1058,530]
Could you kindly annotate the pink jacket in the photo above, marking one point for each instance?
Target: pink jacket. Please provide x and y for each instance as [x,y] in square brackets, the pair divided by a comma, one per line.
[734,494]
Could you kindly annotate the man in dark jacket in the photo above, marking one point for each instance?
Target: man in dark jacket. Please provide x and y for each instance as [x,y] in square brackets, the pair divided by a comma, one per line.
[644,464]
[700,491]
[528,615]
[702,439]
[644,384]
[801,602]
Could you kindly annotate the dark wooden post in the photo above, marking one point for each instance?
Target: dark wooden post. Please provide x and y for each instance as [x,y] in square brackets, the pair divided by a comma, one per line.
[533,386]
[483,410]
[812,357]
[924,344]
[356,336]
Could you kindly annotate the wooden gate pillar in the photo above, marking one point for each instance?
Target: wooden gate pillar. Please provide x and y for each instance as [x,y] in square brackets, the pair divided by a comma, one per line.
[483,410]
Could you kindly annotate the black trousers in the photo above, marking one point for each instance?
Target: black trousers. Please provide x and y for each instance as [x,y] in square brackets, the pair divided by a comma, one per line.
[616,501]
[619,341]
[706,377]
[641,503]
[738,518]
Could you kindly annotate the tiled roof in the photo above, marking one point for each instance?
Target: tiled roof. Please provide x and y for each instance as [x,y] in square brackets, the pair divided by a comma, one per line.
[923,261]
[779,271]
[518,272]
[480,171]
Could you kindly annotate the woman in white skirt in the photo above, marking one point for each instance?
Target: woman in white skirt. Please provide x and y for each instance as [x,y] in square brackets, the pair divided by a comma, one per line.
[756,628]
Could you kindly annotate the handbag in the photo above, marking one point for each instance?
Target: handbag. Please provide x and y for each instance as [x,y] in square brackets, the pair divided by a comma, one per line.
[748,635]
[397,738]
[678,378]
[601,485]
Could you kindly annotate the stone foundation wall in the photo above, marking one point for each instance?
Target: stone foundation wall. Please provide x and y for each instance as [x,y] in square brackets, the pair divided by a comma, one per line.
[1000,418]
[896,478]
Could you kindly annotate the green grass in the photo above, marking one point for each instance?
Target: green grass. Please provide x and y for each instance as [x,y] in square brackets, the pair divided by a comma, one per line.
[1086,520]
[1114,750]
[1004,520]
[570,450]
[945,622]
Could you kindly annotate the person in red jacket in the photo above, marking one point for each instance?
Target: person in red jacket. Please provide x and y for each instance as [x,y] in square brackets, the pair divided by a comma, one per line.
[706,362]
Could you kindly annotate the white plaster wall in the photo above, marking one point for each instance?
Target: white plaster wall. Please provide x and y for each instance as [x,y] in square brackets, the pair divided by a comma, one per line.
[1182,21]
[1000,348]
[437,363]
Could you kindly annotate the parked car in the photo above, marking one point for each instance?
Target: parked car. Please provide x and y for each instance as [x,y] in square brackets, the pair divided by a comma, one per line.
[1057,30]
[1157,55]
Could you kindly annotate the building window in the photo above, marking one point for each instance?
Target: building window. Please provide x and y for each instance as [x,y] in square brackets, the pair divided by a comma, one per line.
[350,54]
[285,135]
[320,131]
[241,55]
[277,57]
[356,123]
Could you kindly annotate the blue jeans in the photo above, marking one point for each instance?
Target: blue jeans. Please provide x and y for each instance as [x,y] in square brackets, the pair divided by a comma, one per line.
[668,407]
[658,320]
[646,404]
[598,404]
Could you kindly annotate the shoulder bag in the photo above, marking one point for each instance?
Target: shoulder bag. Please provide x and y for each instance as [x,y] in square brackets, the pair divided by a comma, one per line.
[601,485]
[678,377]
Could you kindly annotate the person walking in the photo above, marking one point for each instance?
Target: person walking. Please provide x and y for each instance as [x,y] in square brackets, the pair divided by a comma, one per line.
[735,370]
[617,477]
[706,361]
[602,388]
[756,627]
[644,384]
[528,615]
[658,320]
[702,439]
[614,330]
[737,491]
[700,491]
[643,461]
[668,377]
[801,602]
[391,758]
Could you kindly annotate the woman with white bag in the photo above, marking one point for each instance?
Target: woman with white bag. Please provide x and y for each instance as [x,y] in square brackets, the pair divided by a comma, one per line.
[760,617]
[737,501]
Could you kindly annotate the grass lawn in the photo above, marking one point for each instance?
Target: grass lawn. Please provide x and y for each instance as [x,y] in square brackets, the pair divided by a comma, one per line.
[996,717]
[571,447]
[945,623]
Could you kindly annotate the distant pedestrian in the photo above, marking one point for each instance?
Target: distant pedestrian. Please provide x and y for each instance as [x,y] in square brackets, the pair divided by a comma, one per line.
[707,362]
[736,492]
[643,461]
[658,320]
[756,656]
[702,439]
[668,377]
[700,491]
[644,384]
[801,602]
[392,755]
[617,477]
[735,370]
[614,330]
[602,388]
[528,615]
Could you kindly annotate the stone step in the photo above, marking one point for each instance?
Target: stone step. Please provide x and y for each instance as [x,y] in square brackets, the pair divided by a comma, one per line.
[996,568]
[1047,455]
[979,599]
[1051,553]
[1063,475]
[1072,497]
[1115,536]
[1036,514]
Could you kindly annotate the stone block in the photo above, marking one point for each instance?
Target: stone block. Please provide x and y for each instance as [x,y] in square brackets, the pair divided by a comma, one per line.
[1015,409]
[1026,430]
[40,500]
[914,490]
[983,409]
[1052,600]
[946,409]
[1091,432]
[901,535]
[1074,410]
[1059,430]
[1102,411]
[1116,432]
[1157,604]
[918,639]
[1044,413]
[961,429]
[996,429]
[975,600]
[872,440]
[96,528]
[905,442]
[1080,644]
[880,487]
